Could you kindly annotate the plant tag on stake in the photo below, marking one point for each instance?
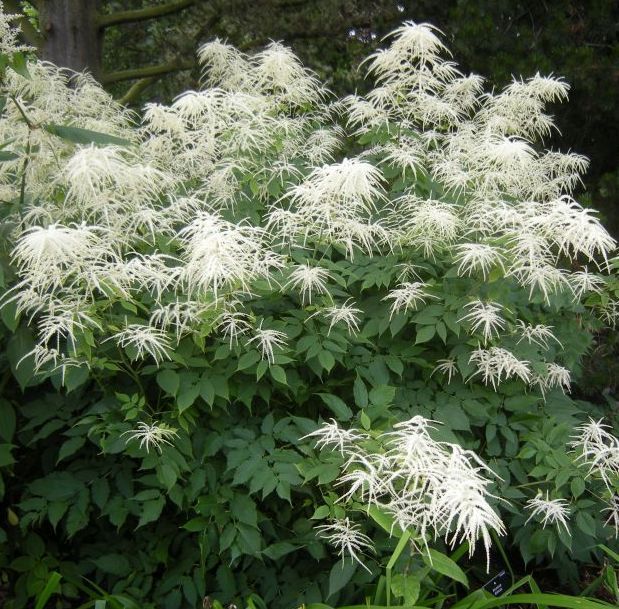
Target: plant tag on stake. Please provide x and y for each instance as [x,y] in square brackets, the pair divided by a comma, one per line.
[498,584]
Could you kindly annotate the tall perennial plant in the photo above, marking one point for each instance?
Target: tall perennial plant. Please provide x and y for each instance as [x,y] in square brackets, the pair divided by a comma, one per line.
[189,294]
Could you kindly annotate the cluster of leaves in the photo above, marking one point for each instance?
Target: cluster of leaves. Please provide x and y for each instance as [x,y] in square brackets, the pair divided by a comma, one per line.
[178,314]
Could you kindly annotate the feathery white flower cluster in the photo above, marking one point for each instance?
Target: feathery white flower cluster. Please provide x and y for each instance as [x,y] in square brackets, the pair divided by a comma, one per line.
[551,511]
[485,316]
[347,537]
[9,34]
[598,450]
[153,434]
[238,185]
[335,203]
[430,488]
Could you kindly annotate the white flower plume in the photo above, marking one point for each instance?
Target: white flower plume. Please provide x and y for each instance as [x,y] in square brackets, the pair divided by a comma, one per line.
[9,34]
[498,364]
[267,341]
[549,511]
[408,295]
[345,314]
[432,487]
[598,450]
[153,434]
[308,280]
[347,538]
[331,434]
[484,316]
[146,340]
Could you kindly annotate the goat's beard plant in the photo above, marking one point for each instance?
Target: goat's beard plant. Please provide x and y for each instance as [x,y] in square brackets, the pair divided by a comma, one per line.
[222,253]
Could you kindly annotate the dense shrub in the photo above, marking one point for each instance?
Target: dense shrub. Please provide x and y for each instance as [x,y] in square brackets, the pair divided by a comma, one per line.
[189,296]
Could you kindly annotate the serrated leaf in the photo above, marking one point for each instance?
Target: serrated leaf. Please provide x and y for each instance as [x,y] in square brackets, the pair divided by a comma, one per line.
[196,524]
[320,512]
[100,491]
[151,510]
[397,323]
[55,511]
[585,522]
[277,550]
[57,486]
[382,395]
[248,359]
[116,564]
[207,390]
[454,417]
[76,520]
[187,396]
[326,359]
[71,446]
[243,509]
[169,381]
[360,393]
[22,365]
[424,334]
[74,377]
[19,64]
[7,420]
[261,368]
[246,470]
[279,374]
[168,475]
[365,421]
[406,586]
[341,573]
[341,411]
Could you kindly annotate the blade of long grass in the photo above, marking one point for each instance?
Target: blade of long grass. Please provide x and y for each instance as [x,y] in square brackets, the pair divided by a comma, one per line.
[536,589]
[551,600]
[609,552]
[53,581]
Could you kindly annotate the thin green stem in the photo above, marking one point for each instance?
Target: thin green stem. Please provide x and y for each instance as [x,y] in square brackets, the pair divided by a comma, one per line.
[23,113]
[131,372]
[22,188]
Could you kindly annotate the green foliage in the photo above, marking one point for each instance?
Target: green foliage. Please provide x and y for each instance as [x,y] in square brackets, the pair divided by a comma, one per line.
[226,507]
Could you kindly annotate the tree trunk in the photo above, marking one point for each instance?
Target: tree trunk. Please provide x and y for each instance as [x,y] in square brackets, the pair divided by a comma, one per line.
[72,38]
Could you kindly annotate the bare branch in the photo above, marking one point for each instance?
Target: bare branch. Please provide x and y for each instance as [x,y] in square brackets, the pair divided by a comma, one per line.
[143,14]
[136,89]
[176,65]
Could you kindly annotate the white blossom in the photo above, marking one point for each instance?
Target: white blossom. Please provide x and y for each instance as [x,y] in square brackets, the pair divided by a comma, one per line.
[484,316]
[146,340]
[446,366]
[550,511]
[539,334]
[154,434]
[347,538]
[497,364]
[308,280]
[331,434]
[344,313]
[268,340]
[408,295]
